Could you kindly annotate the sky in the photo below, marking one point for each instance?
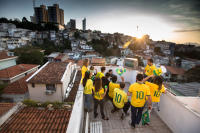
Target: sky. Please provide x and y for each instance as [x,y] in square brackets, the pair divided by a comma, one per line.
[171,20]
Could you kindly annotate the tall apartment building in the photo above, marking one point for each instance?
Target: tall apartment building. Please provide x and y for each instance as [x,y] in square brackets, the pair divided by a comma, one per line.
[84,24]
[61,16]
[53,14]
[41,14]
[72,24]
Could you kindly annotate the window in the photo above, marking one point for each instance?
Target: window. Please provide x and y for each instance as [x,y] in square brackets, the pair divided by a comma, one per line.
[50,87]
[33,85]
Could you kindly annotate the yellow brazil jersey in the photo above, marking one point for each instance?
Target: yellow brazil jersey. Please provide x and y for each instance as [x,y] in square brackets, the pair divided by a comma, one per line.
[155,93]
[83,70]
[112,86]
[149,70]
[139,93]
[88,87]
[100,75]
[98,94]
[120,97]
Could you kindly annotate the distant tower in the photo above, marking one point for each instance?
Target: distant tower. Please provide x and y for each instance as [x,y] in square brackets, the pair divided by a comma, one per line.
[84,24]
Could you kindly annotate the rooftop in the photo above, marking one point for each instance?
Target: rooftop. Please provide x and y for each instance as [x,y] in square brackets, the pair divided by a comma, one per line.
[51,73]
[31,119]
[4,55]
[98,61]
[5,107]
[175,70]
[17,87]
[16,70]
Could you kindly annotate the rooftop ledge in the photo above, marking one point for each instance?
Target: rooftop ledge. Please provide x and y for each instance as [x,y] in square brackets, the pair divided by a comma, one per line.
[181,114]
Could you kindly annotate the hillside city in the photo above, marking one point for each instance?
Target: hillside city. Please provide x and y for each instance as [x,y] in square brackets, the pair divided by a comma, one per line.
[40,73]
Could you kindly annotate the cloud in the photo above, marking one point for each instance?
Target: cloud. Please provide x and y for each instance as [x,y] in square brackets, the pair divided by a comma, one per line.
[188,30]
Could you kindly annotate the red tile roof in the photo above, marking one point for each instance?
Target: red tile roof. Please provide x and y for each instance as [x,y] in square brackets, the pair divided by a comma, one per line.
[52,73]
[98,61]
[17,87]
[175,70]
[5,107]
[4,55]
[15,70]
[30,119]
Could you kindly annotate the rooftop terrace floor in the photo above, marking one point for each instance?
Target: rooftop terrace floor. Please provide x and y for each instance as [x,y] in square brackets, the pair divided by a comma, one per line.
[116,125]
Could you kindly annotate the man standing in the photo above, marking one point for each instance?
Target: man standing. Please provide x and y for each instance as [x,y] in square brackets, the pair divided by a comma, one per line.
[138,92]
[149,68]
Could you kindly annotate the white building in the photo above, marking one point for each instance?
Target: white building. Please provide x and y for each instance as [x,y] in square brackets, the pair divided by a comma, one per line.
[50,82]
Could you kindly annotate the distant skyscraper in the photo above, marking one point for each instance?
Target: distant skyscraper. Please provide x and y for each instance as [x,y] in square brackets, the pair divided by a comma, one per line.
[72,24]
[61,16]
[84,24]
[54,14]
[41,14]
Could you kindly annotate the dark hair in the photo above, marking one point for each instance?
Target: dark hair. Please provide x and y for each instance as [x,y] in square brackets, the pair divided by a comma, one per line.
[107,74]
[87,76]
[122,85]
[114,78]
[103,69]
[150,60]
[139,77]
[110,70]
[98,84]
[91,67]
[158,80]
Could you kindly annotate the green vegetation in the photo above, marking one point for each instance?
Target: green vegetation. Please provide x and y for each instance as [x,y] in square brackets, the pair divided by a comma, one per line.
[31,103]
[2,86]
[29,55]
[101,46]
[50,46]
[25,24]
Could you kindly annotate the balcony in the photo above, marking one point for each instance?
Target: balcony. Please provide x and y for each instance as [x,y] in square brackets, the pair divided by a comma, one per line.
[174,115]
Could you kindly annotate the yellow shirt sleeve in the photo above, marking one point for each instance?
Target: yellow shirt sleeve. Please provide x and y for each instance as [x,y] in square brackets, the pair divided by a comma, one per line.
[163,89]
[148,91]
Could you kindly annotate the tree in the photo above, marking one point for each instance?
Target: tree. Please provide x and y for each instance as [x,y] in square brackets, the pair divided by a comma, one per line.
[24,20]
[157,50]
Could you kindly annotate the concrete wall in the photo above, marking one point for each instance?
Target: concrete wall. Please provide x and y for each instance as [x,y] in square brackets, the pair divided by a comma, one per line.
[38,93]
[178,117]
[129,75]
[76,120]
[7,63]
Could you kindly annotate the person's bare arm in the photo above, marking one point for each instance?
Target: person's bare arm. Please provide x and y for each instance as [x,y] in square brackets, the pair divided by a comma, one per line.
[145,79]
[128,93]
[122,78]
[106,89]
[149,102]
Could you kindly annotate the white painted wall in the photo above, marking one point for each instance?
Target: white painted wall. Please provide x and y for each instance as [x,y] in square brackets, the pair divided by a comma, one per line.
[7,63]
[178,117]
[38,93]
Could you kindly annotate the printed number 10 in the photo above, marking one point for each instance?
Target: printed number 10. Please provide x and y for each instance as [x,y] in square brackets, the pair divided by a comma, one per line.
[140,95]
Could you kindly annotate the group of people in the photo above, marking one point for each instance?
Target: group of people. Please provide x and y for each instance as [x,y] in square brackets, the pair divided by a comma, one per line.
[102,86]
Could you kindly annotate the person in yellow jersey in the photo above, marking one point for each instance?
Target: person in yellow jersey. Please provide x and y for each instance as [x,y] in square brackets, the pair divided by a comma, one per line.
[101,74]
[120,100]
[112,86]
[99,95]
[149,68]
[84,68]
[156,90]
[88,86]
[138,92]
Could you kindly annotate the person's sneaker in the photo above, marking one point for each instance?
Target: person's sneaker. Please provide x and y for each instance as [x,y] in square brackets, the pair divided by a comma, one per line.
[105,118]
[127,114]
[122,116]
[113,110]
[131,124]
